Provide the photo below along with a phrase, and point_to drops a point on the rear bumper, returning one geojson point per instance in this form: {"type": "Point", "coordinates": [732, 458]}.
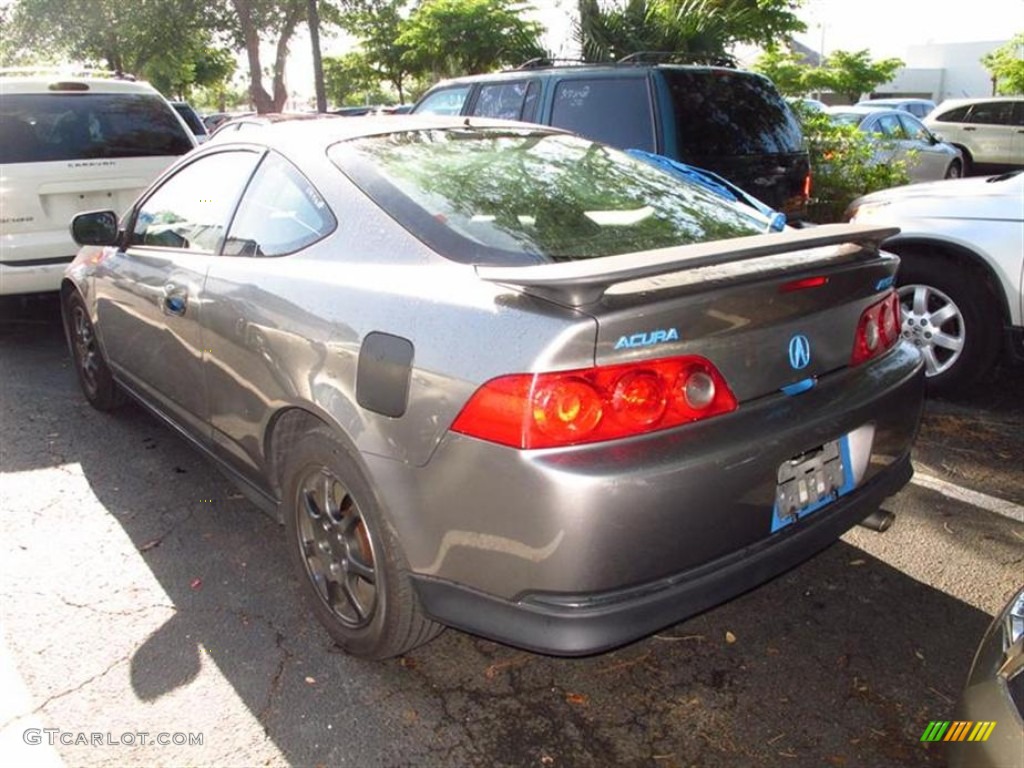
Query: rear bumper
{"type": "Point", "coordinates": [575, 550]}
{"type": "Point", "coordinates": [575, 625]}
{"type": "Point", "coordinates": [33, 277]}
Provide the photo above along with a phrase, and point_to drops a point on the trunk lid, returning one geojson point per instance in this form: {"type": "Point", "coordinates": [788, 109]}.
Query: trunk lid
{"type": "Point", "coordinates": [771, 312]}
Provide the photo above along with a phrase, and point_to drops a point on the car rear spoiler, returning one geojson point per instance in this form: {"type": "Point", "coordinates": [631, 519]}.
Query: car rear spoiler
{"type": "Point", "coordinates": [582, 282]}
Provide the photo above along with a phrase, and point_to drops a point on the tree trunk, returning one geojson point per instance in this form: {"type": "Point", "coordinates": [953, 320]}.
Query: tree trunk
{"type": "Point", "coordinates": [261, 100]}
{"type": "Point", "coordinates": [318, 66]}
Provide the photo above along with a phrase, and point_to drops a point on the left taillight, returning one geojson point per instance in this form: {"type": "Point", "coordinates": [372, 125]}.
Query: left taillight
{"type": "Point", "coordinates": [878, 329]}
{"type": "Point", "coordinates": [547, 410]}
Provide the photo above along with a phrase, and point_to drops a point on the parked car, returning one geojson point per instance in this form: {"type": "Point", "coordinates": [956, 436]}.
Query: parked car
{"type": "Point", "coordinates": [192, 120]}
{"type": "Point", "coordinates": [69, 143]}
{"type": "Point", "coordinates": [919, 108]}
{"type": "Point", "coordinates": [961, 281]}
{"type": "Point", "coordinates": [988, 726]}
{"type": "Point", "coordinates": [903, 138]}
{"type": "Point", "coordinates": [214, 119]}
{"type": "Point", "coordinates": [725, 120]}
{"type": "Point", "coordinates": [228, 129]}
{"type": "Point", "coordinates": [989, 132]}
{"type": "Point", "coordinates": [499, 377]}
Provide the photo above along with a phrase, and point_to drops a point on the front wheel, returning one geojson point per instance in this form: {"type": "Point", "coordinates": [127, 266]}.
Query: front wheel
{"type": "Point", "coordinates": [349, 561]}
{"type": "Point", "coordinates": [955, 170]}
{"type": "Point", "coordinates": [947, 313]}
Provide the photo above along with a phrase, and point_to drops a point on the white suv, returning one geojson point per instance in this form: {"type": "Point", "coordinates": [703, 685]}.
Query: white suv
{"type": "Point", "coordinates": [989, 132]}
{"type": "Point", "coordinates": [70, 144]}
{"type": "Point", "coordinates": [961, 278]}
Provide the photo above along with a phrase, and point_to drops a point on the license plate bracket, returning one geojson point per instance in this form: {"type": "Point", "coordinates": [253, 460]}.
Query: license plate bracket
{"type": "Point", "coordinates": [810, 481]}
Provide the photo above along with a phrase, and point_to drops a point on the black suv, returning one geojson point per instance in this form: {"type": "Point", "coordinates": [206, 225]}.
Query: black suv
{"type": "Point", "coordinates": [725, 120]}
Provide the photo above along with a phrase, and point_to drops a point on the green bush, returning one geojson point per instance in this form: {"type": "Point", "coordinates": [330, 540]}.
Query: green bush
{"type": "Point", "coordinates": [844, 165]}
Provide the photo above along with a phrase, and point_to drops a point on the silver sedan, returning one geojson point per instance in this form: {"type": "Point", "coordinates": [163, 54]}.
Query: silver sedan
{"type": "Point", "coordinates": [902, 137]}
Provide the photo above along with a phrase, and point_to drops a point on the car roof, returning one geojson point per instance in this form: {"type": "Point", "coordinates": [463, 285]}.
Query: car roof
{"type": "Point", "coordinates": [285, 135]}
{"type": "Point", "coordinates": [869, 102]}
{"type": "Point", "coordinates": [860, 109]}
{"type": "Point", "coordinates": [553, 70]}
{"type": "Point", "coordinates": [58, 82]}
{"type": "Point", "coordinates": [980, 100]}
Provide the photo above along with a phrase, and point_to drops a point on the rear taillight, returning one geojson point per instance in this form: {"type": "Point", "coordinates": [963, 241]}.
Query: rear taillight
{"type": "Point", "coordinates": [878, 329]}
{"type": "Point", "coordinates": [547, 410]}
{"type": "Point", "coordinates": [807, 186]}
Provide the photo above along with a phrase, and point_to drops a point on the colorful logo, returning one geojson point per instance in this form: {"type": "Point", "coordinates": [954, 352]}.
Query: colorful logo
{"type": "Point", "coordinates": [958, 730]}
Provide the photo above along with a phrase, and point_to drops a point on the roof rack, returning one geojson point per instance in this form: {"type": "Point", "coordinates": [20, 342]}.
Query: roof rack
{"type": "Point", "coordinates": [543, 61]}
{"type": "Point", "coordinates": [67, 72]}
{"type": "Point", "coordinates": [679, 57]}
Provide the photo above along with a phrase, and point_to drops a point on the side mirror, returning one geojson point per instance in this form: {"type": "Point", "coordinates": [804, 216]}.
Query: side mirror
{"type": "Point", "coordinates": [95, 228]}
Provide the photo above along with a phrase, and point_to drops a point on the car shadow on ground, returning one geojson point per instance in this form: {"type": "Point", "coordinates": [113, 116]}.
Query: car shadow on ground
{"type": "Point", "coordinates": [841, 662]}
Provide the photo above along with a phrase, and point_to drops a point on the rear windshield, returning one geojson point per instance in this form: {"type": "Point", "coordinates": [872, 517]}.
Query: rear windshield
{"type": "Point", "coordinates": [41, 127]}
{"type": "Point", "coordinates": [503, 196]}
{"type": "Point", "coordinates": [191, 118]}
{"type": "Point", "coordinates": [720, 113]}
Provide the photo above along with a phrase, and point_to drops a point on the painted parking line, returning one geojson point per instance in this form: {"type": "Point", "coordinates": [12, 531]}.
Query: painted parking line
{"type": "Point", "coordinates": [967, 496]}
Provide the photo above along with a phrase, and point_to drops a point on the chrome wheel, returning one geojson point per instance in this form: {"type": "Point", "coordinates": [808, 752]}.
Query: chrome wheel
{"type": "Point", "coordinates": [336, 548]}
{"type": "Point", "coordinates": [933, 322]}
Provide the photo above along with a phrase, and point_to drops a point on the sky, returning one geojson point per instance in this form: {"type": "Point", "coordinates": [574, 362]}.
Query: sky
{"type": "Point", "coordinates": [885, 27]}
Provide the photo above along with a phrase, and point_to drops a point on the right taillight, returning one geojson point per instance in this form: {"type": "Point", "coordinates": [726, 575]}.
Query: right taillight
{"type": "Point", "coordinates": [878, 329]}
{"type": "Point", "coordinates": [547, 410]}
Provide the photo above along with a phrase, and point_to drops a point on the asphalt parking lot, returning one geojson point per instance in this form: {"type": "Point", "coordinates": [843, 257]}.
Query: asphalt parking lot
{"type": "Point", "coordinates": [141, 594]}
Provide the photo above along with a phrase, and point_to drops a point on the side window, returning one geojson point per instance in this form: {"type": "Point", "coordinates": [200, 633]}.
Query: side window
{"type": "Point", "coordinates": [504, 100]}
{"type": "Point", "coordinates": [190, 210]}
{"type": "Point", "coordinates": [913, 129]}
{"type": "Point", "coordinates": [992, 113]}
{"type": "Point", "coordinates": [616, 111]}
{"type": "Point", "coordinates": [1018, 113]}
{"type": "Point", "coordinates": [955, 115]}
{"type": "Point", "coordinates": [889, 126]}
{"type": "Point", "coordinates": [447, 101]}
{"type": "Point", "coordinates": [280, 213]}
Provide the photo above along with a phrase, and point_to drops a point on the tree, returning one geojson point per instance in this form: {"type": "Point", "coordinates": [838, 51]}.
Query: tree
{"type": "Point", "coordinates": [1006, 64]}
{"type": "Point", "coordinates": [446, 38]}
{"type": "Point", "coordinates": [377, 25]}
{"type": "Point", "coordinates": [248, 20]}
{"type": "Point", "coordinates": [704, 28]}
{"type": "Point", "coordinates": [126, 37]}
{"type": "Point", "coordinates": [349, 78]}
{"type": "Point", "coordinates": [784, 68]}
{"type": "Point", "coordinates": [851, 74]}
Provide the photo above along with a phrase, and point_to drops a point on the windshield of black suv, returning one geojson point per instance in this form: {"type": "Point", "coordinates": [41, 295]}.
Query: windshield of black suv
{"type": "Point", "coordinates": [521, 196]}
{"type": "Point", "coordinates": [41, 127]}
{"type": "Point", "coordinates": [723, 113]}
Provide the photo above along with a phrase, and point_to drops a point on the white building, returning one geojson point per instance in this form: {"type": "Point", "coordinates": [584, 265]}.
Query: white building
{"type": "Point", "coordinates": [942, 71]}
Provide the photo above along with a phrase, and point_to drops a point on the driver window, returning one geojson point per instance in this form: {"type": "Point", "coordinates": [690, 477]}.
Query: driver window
{"type": "Point", "coordinates": [190, 210]}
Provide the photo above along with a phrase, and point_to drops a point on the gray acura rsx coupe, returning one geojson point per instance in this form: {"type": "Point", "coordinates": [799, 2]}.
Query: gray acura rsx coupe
{"type": "Point", "coordinates": [498, 377]}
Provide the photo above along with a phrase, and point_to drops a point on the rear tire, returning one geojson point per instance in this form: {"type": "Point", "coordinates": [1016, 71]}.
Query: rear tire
{"type": "Point", "coordinates": [348, 559]}
{"type": "Point", "coordinates": [94, 374]}
{"type": "Point", "coordinates": [949, 315]}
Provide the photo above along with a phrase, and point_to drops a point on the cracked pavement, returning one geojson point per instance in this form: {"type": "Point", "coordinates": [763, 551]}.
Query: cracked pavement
{"type": "Point", "coordinates": [142, 594]}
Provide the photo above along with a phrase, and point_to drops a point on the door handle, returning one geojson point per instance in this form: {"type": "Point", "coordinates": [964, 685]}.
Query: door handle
{"type": "Point", "coordinates": [970, 129]}
{"type": "Point", "coordinates": [175, 299]}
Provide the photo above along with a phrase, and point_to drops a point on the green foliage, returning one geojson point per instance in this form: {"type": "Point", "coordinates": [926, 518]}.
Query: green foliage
{"type": "Point", "coordinates": [350, 80]}
{"type": "Point", "coordinates": [124, 37]}
{"type": "Point", "coordinates": [844, 166]}
{"type": "Point", "coordinates": [784, 68]}
{"type": "Point", "coordinates": [377, 25]}
{"type": "Point", "coordinates": [851, 74]}
{"type": "Point", "coordinates": [705, 28]}
{"type": "Point", "coordinates": [1006, 64]}
{"type": "Point", "coordinates": [447, 38]}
